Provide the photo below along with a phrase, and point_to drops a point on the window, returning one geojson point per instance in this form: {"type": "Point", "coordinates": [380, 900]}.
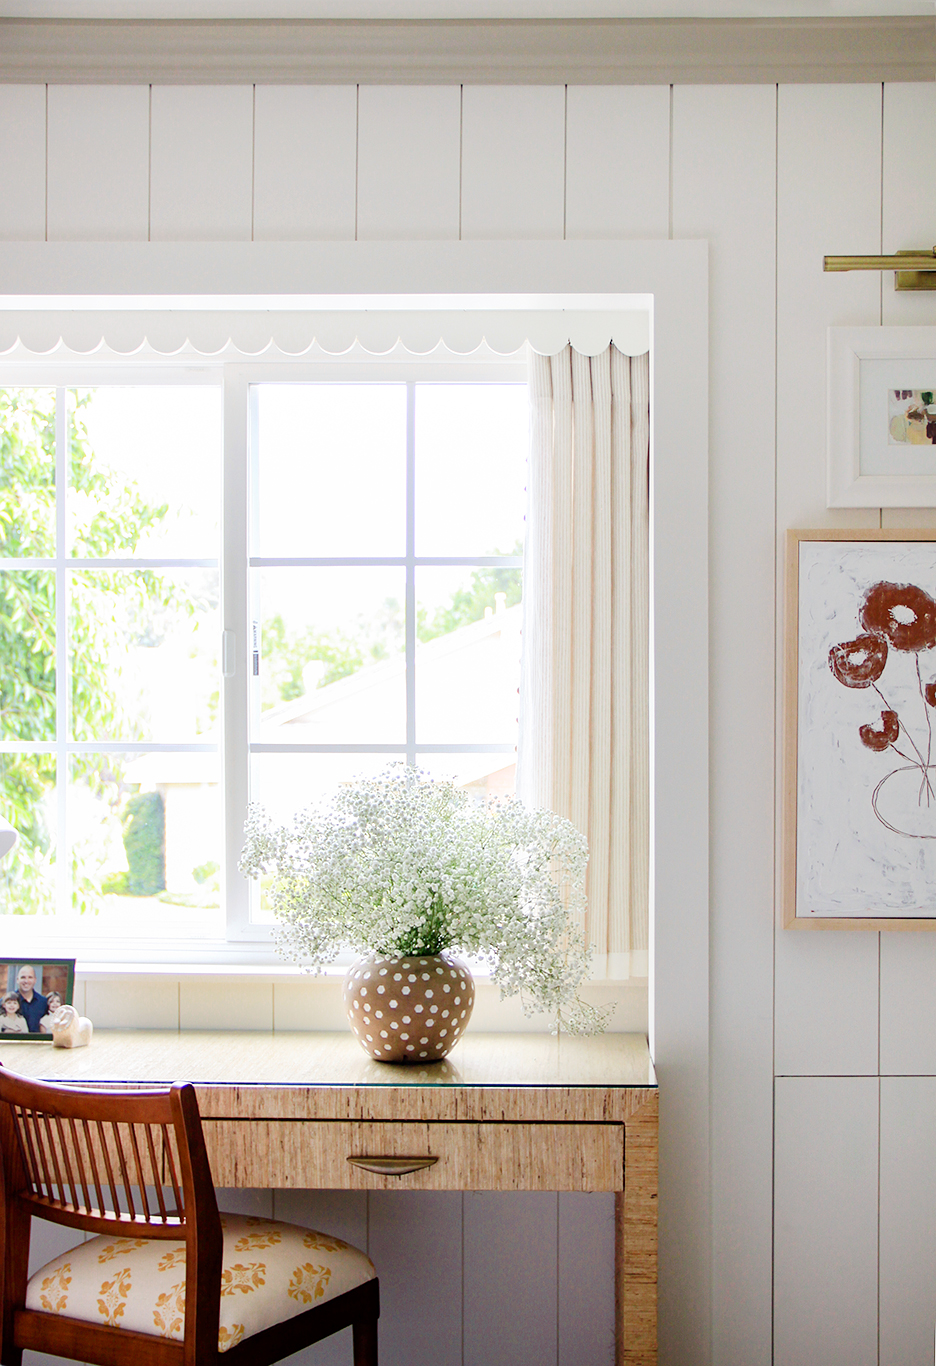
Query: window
{"type": "Point", "coordinates": [364, 606]}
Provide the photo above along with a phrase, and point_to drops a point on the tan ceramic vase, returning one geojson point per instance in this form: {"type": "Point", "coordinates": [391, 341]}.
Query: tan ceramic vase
{"type": "Point", "coordinates": [408, 1009]}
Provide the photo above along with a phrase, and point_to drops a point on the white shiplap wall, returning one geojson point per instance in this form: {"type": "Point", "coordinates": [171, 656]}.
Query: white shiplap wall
{"type": "Point", "coordinates": [823, 1046]}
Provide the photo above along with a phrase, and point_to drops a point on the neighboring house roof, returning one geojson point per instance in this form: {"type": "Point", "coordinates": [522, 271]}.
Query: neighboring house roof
{"type": "Point", "coordinates": [467, 685]}
{"type": "Point", "coordinates": [467, 682]}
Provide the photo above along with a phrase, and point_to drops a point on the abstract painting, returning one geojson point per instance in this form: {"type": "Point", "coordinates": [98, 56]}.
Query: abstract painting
{"type": "Point", "coordinates": [860, 841]}
{"type": "Point", "coordinates": [911, 417]}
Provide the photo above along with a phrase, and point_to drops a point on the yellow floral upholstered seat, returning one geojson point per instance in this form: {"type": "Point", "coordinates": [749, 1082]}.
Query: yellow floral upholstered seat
{"type": "Point", "coordinates": [270, 1272]}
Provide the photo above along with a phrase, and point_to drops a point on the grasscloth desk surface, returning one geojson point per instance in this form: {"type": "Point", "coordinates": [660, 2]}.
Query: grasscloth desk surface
{"type": "Point", "coordinates": [322, 1075]}
{"type": "Point", "coordinates": [249, 1058]}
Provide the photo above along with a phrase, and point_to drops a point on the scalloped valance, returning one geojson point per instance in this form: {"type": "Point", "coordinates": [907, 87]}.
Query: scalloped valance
{"type": "Point", "coordinates": [276, 335]}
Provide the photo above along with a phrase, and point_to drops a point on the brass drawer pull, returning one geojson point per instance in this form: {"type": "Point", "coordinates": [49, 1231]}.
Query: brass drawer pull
{"type": "Point", "coordinates": [392, 1166]}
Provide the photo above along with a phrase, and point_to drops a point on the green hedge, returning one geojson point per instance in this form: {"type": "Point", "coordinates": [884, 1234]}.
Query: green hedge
{"type": "Point", "coordinates": [144, 838]}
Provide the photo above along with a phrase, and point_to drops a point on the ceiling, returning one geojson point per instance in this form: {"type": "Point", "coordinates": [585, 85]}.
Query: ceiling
{"type": "Point", "coordinates": [456, 9]}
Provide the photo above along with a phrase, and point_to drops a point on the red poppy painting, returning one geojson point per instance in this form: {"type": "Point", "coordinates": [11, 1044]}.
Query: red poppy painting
{"type": "Point", "coordinates": [861, 708]}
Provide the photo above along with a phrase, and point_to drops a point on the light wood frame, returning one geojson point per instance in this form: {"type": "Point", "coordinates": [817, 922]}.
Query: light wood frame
{"type": "Point", "coordinates": [791, 736]}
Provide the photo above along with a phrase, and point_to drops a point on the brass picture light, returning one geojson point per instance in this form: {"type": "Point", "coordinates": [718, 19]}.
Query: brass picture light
{"type": "Point", "coordinates": [915, 269]}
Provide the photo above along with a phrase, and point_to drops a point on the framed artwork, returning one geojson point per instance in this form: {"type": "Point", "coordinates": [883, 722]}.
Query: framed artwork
{"type": "Point", "coordinates": [881, 425]}
{"type": "Point", "coordinates": [859, 846]}
{"type": "Point", "coordinates": [31, 990]}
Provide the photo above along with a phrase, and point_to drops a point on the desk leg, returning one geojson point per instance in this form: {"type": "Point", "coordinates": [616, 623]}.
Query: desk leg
{"type": "Point", "coordinates": [635, 1245]}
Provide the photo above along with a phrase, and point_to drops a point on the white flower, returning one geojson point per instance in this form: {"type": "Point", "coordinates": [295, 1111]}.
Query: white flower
{"type": "Point", "coordinates": [407, 864]}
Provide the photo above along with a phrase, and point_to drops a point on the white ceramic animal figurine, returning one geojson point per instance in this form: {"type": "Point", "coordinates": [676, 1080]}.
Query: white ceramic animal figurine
{"type": "Point", "coordinates": [69, 1029]}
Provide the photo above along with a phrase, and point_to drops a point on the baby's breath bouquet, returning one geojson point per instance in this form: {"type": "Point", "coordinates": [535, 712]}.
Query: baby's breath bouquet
{"type": "Point", "coordinates": [405, 864]}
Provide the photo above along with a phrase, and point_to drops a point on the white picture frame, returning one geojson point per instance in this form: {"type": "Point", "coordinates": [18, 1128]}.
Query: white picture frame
{"type": "Point", "coordinates": [868, 465]}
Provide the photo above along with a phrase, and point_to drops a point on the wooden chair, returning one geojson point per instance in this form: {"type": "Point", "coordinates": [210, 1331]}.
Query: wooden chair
{"type": "Point", "coordinates": [131, 1166]}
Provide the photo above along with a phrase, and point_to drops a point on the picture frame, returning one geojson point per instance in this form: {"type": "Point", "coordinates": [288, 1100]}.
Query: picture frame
{"type": "Point", "coordinates": [859, 749]}
{"type": "Point", "coordinates": [877, 455]}
{"type": "Point", "coordinates": [49, 975]}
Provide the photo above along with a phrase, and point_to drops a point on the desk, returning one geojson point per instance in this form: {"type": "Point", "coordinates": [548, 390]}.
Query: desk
{"type": "Point", "coordinates": [504, 1112]}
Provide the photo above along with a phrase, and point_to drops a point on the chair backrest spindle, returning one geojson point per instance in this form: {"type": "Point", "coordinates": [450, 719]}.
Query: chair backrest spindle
{"type": "Point", "coordinates": [94, 1159]}
{"type": "Point", "coordinates": [168, 1150]}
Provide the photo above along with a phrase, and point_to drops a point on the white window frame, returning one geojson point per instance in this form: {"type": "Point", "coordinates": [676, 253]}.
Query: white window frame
{"type": "Point", "coordinates": [241, 935]}
{"type": "Point", "coordinates": [241, 473]}
{"type": "Point", "coordinates": [83, 291]}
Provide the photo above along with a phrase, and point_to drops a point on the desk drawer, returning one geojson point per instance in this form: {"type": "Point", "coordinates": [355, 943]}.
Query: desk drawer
{"type": "Point", "coordinates": [313, 1154]}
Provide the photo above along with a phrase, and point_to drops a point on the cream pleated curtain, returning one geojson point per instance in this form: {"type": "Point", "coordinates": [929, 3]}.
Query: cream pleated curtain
{"type": "Point", "coordinates": [584, 719]}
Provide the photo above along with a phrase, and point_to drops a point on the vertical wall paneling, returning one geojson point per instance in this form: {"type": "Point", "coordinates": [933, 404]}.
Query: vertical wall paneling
{"type": "Point", "coordinates": [586, 1279]}
{"type": "Point", "coordinates": [825, 1304]}
{"type": "Point", "coordinates": [724, 140]}
{"type": "Point", "coordinates": [828, 193]}
{"type": "Point", "coordinates": [202, 140]}
{"type": "Point", "coordinates": [510, 1274]}
{"type": "Point", "coordinates": [408, 162]}
{"type": "Point", "coordinates": [415, 1240]}
{"type": "Point", "coordinates": [908, 1004]}
{"type": "Point", "coordinates": [98, 163]}
{"type": "Point", "coordinates": [512, 161]}
{"type": "Point", "coordinates": [907, 1021]}
{"type": "Point", "coordinates": [909, 207]}
{"type": "Point", "coordinates": [23, 134]}
{"type": "Point", "coordinates": [908, 215]}
{"type": "Point", "coordinates": [617, 161]}
{"type": "Point", "coordinates": [304, 162]}
{"type": "Point", "coordinates": [908, 1218]}
{"type": "Point", "coordinates": [826, 1003]}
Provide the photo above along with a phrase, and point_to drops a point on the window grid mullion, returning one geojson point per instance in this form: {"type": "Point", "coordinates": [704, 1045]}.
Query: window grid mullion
{"type": "Point", "coordinates": [238, 429]}
{"type": "Point", "coordinates": [410, 572]}
{"type": "Point", "coordinates": [62, 663]}
{"type": "Point", "coordinates": [385, 561]}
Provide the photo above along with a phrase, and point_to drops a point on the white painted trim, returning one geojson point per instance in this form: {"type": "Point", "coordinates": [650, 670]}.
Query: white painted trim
{"type": "Point", "coordinates": [263, 335]}
{"type": "Point", "coordinates": [675, 274]}
{"type": "Point", "coordinates": [482, 50]}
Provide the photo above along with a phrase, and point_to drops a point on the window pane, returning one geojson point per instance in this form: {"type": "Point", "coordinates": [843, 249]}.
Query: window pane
{"type": "Point", "coordinates": [144, 651]}
{"type": "Point", "coordinates": [144, 471]}
{"type": "Point", "coordinates": [332, 669]}
{"type": "Point", "coordinates": [483, 776]}
{"type": "Point", "coordinates": [286, 784]}
{"type": "Point", "coordinates": [27, 472]}
{"type": "Point", "coordinates": [471, 452]}
{"type": "Point", "coordinates": [468, 656]}
{"type": "Point", "coordinates": [145, 842]}
{"type": "Point", "coordinates": [28, 802]}
{"type": "Point", "coordinates": [27, 651]}
{"type": "Point", "coordinates": [332, 469]}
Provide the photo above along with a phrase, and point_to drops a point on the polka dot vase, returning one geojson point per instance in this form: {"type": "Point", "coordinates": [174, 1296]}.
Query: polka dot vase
{"type": "Point", "coordinates": [408, 1009]}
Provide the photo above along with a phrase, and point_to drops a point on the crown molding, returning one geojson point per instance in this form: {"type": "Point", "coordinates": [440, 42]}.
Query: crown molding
{"type": "Point", "coordinates": [478, 51]}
